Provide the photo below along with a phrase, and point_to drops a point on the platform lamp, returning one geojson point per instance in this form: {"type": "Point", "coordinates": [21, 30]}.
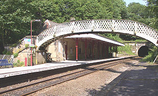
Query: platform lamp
{"type": "Point", "coordinates": [31, 37]}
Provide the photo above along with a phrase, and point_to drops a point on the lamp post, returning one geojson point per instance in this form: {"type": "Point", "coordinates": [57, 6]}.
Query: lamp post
{"type": "Point", "coordinates": [31, 38]}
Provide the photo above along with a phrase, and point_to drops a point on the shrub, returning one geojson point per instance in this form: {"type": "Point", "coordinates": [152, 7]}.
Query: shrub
{"type": "Point", "coordinates": [151, 55]}
{"type": "Point", "coordinates": [5, 51]}
{"type": "Point", "coordinates": [19, 64]}
{"type": "Point", "coordinates": [125, 50]}
{"type": "Point", "coordinates": [15, 55]}
{"type": "Point", "coordinates": [14, 45]}
{"type": "Point", "coordinates": [8, 53]}
{"type": "Point", "coordinates": [26, 45]}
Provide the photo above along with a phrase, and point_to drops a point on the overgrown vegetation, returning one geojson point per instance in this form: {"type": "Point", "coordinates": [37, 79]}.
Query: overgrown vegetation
{"type": "Point", "coordinates": [18, 64]}
{"type": "Point", "coordinates": [125, 50]}
{"type": "Point", "coordinates": [26, 45]}
{"type": "Point", "coordinates": [6, 52]}
{"type": "Point", "coordinates": [151, 55]}
{"type": "Point", "coordinates": [16, 55]}
{"type": "Point", "coordinates": [112, 36]}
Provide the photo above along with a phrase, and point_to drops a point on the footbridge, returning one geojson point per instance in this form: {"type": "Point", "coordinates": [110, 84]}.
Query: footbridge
{"type": "Point", "coordinates": [97, 26]}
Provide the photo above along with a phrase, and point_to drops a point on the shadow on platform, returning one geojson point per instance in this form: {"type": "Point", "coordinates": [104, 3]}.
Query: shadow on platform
{"type": "Point", "coordinates": [139, 80]}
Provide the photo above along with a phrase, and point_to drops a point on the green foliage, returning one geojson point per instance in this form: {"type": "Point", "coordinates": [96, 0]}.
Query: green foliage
{"type": "Point", "coordinates": [140, 13]}
{"type": "Point", "coordinates": [17, 14]}
{"type": "Point", "coordinates": [15, 20]}
{"type": "Point", "coordinates": [26, 45]}
{"type": "Point", "coordinates": [119, 9]}
{"type": "Point", "coordinates": [113, 36]}
{"type": "Point", "coordinates": [14, 45]}
{"type": "Point", "coordinates": [152, 6]}
{"type": "Point", "coordinates": [16, 55]}
{"type": "Point", "coordinates": [125, 50]}
{"type": "Point", "coordinates": [121, 49]}
{"type": "Point", "coordinates": [18, 64]}
{"type": "Point", "coordinates": [151, 55]}
{"type": "Point", "coordinates": [6, 52]}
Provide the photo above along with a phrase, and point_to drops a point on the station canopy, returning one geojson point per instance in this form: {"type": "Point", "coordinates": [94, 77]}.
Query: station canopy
{"type": "Point", "coordinates": [96, 37]}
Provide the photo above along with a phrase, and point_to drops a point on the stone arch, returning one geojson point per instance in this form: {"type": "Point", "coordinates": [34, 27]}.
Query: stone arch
{"type": "Point", "coordinates": [143, 51]}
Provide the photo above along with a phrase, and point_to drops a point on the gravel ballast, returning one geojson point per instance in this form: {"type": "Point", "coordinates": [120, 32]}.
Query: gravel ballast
{"type": "Point", "coordinates": [87, 85]}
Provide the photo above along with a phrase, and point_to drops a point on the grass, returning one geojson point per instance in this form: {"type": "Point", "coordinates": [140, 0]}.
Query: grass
{"type": "Point", "coordinates": [151, 55]}
{"type": "Point", "coordinates": [125, 50]}
{"type": "Point", "coordinates": [138, 40]}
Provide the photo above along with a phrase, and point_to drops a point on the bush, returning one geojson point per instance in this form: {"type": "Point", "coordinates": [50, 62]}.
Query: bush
{"type": "Point", "coordinates": [26, 45]}
{"type": "Point", "coordinates": [19, 64]}
{"type": "Point", "coordinates": [5, 51]}
{"type": "Point", "coordinates": [125, 50]}
{"type": "Point", "coordinates": [14, 45]}
{"type": "Point", "coordinates": [151, 55]}
{"type": "Point", "coordinates": [8, 53]}
{"type": "Point", "coordinates": [15, 55]}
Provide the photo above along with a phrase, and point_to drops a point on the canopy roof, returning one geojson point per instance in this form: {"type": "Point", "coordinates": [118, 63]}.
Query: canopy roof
{"type": "Point", "coordinates": [97, 37]}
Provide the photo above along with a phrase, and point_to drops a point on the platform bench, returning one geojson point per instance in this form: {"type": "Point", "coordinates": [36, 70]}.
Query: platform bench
{"type": "Point", "coordinates": [4, 62]}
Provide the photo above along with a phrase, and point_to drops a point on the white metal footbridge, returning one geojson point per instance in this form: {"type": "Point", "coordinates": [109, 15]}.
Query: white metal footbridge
{"type": "Point", "coordinates": [97, 26]}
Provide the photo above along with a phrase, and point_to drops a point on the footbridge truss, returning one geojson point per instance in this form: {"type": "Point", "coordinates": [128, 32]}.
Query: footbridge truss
{"type": "Point", "coordinates": [97, 26]}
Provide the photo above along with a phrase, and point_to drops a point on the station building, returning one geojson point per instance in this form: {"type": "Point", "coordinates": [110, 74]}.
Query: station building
{"type": "Point", "coordinates": [74, 47]}
{"type": "Point", "coordinates": [82, 47]}
{"type": "Point", "coordinates": [77, 47]}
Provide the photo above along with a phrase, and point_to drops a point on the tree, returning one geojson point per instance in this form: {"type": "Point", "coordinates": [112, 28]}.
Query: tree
{"type": "Point", "coordinates": [140, 13]}
{"type": "Point", "coordinates": [15, 20]}
{"type": "Point", "coordinates": [17, 14]}
{"type": "Point", "coordinates": [152, 6]}
{"type": "Point", "coordinates": [119, 9]}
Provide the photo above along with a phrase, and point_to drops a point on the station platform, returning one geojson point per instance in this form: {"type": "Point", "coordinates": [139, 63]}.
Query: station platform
{"type": "Point", "coordinates": [8, 72]}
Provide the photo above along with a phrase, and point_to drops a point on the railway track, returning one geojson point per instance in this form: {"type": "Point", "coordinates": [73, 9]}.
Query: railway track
{"type": "Point", "coordinates": [45, 83]}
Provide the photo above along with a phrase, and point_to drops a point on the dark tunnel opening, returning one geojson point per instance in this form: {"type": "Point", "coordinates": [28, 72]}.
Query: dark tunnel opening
{"type": "Point", "coordinates": [143, 51]}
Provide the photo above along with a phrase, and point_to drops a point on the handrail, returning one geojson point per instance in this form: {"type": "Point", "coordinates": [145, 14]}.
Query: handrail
{"type": "Point", "coordinates": [107, 25]}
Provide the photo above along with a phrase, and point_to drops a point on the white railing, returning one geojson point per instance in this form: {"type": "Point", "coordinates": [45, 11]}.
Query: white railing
{"type": "Point", "coordinates": [120, 26]}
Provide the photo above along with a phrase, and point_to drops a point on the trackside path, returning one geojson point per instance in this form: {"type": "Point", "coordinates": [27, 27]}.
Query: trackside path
{"type": "Point", "coordinates": [139, 80]}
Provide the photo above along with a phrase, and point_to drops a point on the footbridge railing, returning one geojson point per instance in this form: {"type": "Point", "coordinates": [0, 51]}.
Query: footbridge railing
{"type": "Point", "coordinates": [99, 26]}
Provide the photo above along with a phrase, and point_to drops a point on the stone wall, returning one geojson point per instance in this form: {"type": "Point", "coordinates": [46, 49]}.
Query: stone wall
{"type": "Point", "coordinates": [135, 46]}
{"type": "Point", "coordinates": [40, 57]}
{"type": "Point", "coordinates": [56, 51]}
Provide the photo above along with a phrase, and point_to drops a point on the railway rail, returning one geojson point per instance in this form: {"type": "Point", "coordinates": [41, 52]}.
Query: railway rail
{"type": "Point", "coordinates": [48, 82]}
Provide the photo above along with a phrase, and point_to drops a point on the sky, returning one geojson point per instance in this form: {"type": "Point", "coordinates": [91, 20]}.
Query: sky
{"type": "Point", "coordinates": [137, 1]}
